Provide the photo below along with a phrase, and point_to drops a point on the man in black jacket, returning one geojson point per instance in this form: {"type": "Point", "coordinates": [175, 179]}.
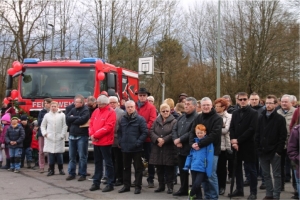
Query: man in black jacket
{"type": "Point", "coordinates": [242, 131]}
{"type": "Point", "coordinates": [270, 140]}
{"type": "Point", "coordinates": [78, 138]}
{"type": "Point", "coordinates": [213, 123]}
{"type": "Point", "coordinates": [180, 135]}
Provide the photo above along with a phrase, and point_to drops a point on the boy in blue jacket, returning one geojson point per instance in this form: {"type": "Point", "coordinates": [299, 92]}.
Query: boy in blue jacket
{"type": "Point", "coordinates": [200, 162]}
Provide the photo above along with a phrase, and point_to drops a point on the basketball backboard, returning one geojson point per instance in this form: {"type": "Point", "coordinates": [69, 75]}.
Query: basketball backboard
{"type": "Point", "coordinates": [146, 65]}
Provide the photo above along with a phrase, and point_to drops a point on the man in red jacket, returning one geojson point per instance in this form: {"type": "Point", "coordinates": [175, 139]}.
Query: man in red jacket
{"type": "Point", "coordinates": [101, 131]}
{"type": "Point", "coordinates": [148, 112]}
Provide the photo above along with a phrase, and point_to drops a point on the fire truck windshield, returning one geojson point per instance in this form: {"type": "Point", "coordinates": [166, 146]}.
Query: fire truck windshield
{"type": "Point", "coordinates": [57, 82]}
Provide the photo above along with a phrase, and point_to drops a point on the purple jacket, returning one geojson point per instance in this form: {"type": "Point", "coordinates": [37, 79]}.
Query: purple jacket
{"type": "Point", "coordinates": [293, 147]}
{"type": "Point", "coordinates": [2, 136]}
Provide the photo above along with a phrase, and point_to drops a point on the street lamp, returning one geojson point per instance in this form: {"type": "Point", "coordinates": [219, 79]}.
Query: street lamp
{"type": "Point", "coordinates": [52, 40]}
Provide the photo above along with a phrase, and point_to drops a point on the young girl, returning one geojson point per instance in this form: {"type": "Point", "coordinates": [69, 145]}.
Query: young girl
{"type": "Point", "coordinates": [200, 162]}
{"type": "Point", "coordinates": [35, 145]}
{"type": "Point", "coordinates": [5, 121]}
{"type": "Point", "coordinates": [1, 146]}
{"type": "Point", "coordinates": [14, 139]}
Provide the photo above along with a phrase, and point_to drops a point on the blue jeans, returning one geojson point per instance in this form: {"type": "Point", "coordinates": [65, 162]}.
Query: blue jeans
{"type": "Point", "coordinates": [79, 146]}
{"type": "Point", "coordinates": [210, 185]}
{"type": "Point", "coordinates": [275, 162]}
{"type": "Point", "coordinates": [103, 153]}
{"type": "Point", "coordinates": [58, 156]}
{"type": "Point", "coordinates": [298, 182]}
{"type": "Point", "coordinates": [15, 158]}
{"type": "Point", "coordinates": [27, 152]}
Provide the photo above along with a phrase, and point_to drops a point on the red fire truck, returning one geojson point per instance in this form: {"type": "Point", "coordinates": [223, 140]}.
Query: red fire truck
{"type": "Point", "coordinates": [62, 79]}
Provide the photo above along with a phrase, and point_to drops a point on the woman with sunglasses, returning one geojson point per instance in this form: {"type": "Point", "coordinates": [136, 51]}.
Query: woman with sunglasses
{"type": "Point", "coordinates": [163, 153]}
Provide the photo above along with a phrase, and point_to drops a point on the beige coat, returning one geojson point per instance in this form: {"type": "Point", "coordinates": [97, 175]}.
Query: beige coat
{"type": "Point", "coordinates": [54, 125]}
{"type": "Point", "coordinates": [288, 118]}
{"type": "Point", "coordinates": [225, 137]}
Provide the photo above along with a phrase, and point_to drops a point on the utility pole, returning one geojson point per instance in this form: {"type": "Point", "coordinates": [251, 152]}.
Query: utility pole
{"type": "Point", "coordinates": [52, 40]}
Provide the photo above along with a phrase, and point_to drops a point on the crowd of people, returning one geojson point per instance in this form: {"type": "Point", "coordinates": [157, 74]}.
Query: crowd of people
{"type": "Point", "coordinates": [211, 140]}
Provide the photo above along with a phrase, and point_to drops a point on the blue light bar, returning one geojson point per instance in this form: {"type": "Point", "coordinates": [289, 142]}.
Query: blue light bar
{"type": "Point", "coordinates": [31, 60]}
{"type": "Point", "coordinates": [91, 60]}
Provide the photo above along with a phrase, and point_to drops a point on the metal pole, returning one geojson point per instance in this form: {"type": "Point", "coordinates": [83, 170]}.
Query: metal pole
{"type": "Point", "coordinates": [218, 54]}
{"type": "Point", "coordinates": [163, 88]}
{"type": "Point", "coordinates": [52, 40]}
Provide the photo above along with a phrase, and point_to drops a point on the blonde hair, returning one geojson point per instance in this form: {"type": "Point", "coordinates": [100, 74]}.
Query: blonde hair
{"type": "Point", "coordinates": [179, 108]}
{"type": "Point", "coordinates": [54, 102]}
{"type": "Point", "coordinates": [170, 102]}
{"type": "Point", "coordinates": [164, 106]}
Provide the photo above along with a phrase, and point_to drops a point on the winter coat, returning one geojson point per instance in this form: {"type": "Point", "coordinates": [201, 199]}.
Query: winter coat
{"type": "Point", "coordinates": [54, 125]}
{"type": "Point", "coordinates": [230, 109]}
{"type": "Point", "coordinates": [225, 137]}
{"type": "Point", "coordinates": [3, 134]}
{"type": "Point", "coordinates": [148, 111]}
{"type": "Point", "coordinates": [271, 134]}
{"type": "Point", "coordinates": [132, 133]}
{"type": "Point", "coordinates": [77, 117]}
{"type": "Point", "coordinates": [41, 115]}
{"type": "Point", "coordinates": [119, 113]}
{"type": "Point", "coordinates": [166, 154]}
{"type": "Point", "coordinates": [288, 118]}
{"type": "Point", "coordinates": [295, 119]}
{"type": "Point", "coordinates": [28, 136]}
{"type": "Point", "coordinates": [259, 108]}
{"type": "Point", "coordinates": [201, 160]}
{"type": "Point", "coordinates": [102, 126]}
{"type": "Point", "coordinates": [293, 148]}
{"type": "Point", "coordinates": [243, 127]}
{"type": "Point", "coordinates": [182, 130]}
{"type": "Point", "coordinates": [34, 141]}
{"type": "Point", "coordinates": [16, 134]}
{"type": "Point", "coordinates": [213, 123]}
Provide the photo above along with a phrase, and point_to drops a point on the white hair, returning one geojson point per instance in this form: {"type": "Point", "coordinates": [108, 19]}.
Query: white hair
{"type": "Point", "coordinates": [129, 102]}
{"type": "Point", "coordinates": [294, 98]}
{"type": "Point", "coordinates": [206, 99]}
{"type": "Point", "coordinates": [288, 96]}
{"type": "Point", "coordinates": [103, 99]}
{"type": "Point", "coordinates": [150, 98]}
{"type": "Point", "coordinates": [113, 98]}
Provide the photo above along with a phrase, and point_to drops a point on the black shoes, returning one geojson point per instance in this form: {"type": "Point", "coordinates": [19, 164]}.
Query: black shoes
{"type": "Point", "coordinates": [108, 188]}
{"type": "Point", "coordinates": [118, 183]}
{"type": "Point", "coordinates": [94, 187]}
{"type": "Point", "coordinates": [246, 183]}
{"type": "Point", "coordinates": [170, 191]}
{"type": "Point", "coordinates": [159, 189]}
{"type": "Point", "coordinates": [61, 172]}
{"type": "Point", "coordinates": [50, 173]}
{"type": "Point", "coordinates": [124, 189]}
{"type": "Point", "coordinates": [180, 193]}
{"type": "Point", "coordinates": [262, 186]}
{"type": "Point", "coordinates": [221, 191]}
{"type": "Point", "coordinates": [137, 191]}
{"type": "Point", "coordinates": [82, 178]}
{"type": "Point", "coordinates": [70, 177]}
{"type": "Point", "coordinates": [252, 197]}
{"type": "Point", "coordinates": [236, 193]}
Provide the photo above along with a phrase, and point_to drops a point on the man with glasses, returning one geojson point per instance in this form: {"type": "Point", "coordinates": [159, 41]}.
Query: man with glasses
{"type": "Point", "coordinates": [148, 111]}
{"type": "Point", "coordinates": [116, 150]}
{"type": "Point", "coordinates": [78, 138]}
{"type": "Point", "coordinates": [242, 130]}
{"type": "Point", "coordinates": [213, 123]}
{"type": "Point", "coordinates": [180, 135]}
{"type": "Point", "coordinates": [270, 140]}
{"type": "Point", "coordinates": [101, 131]}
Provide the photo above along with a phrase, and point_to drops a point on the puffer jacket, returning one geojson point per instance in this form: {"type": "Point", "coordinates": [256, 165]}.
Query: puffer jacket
{"type": "Point", "coordinates": [132, 133]}
{"type": "Point", "coordinates": [17, 134]}
{"type": "Point", "coordinates": [166, 154]}
{"type": "Point", "coordinates": [182, 130]}
{"type": "Point", "coordinates": [148, 111]}
{"type": "Point", "coordinates": [102, 126]}
{"type": "Point", "coordinates": [225, 137]}
{"type": "Point", "coordinates": [77, 117]}
{"type": "Point", "coordinates": [54, 125]}
{"type": "Point", "coordinates": [202, 159]}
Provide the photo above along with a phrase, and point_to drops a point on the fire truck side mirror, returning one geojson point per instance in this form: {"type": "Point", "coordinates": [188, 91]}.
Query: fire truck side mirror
{"type": "Point", "coordinates": [111, 92]}
{"type": "Point", "coordinates": [9, 82]}
{"type": "Point", "coordinates": [111, 82]}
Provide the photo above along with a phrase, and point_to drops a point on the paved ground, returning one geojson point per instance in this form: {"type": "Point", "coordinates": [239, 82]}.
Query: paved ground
{"type": "Point", "coordinates": [30, 184]}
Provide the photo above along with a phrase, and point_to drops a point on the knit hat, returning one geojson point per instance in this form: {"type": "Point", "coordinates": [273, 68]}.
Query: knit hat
{"type": "Point", "coordinates": [6, 117]}
{"type": "Point", "coordinates": [24, 117]}
{"type": "Point", "coordinates": [14, 117]}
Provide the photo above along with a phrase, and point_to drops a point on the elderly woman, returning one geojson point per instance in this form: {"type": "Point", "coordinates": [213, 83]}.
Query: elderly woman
{"type": "Point", "coordinates": [54, 129]}
{"type": "Point", "coordinates": [163, 153]}
{"type": "Point", "coordinates": [221, 105]}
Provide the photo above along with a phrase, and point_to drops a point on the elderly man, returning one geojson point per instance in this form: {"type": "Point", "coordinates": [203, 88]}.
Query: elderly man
{"type": "Point", "coordinates": [270, 139]}
{"type": "Point", "coordinates": [132, 133]}
{"type": "Point", "coordinates": [148, 112]}
{"type": "Point", "coordinates": [116, 150]}
{"type": "Point", "coordinates": [101, 130]}
{"type": "Point", "coordinates": [287, 110]}
{"type": "Point", "coordinates": [242, 131]}
{"type": "Point", "coordinates": [180, 135]}
{"type": "Point", "coordinates": [78, 138]}
{"type": "Point", "coordinates": [213, 123]}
